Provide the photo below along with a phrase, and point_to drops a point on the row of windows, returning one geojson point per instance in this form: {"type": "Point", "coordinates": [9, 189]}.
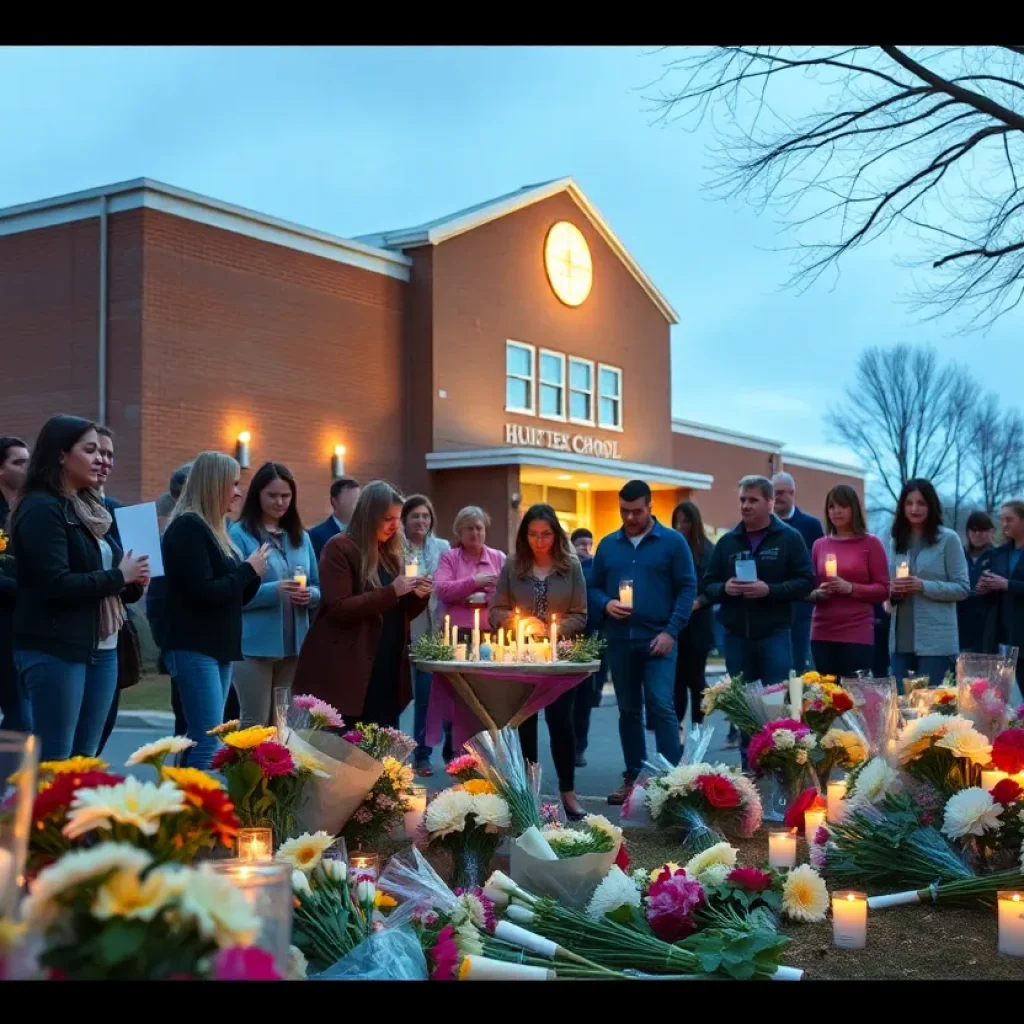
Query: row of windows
{"type": "Point", "coordinates": [541, 388]}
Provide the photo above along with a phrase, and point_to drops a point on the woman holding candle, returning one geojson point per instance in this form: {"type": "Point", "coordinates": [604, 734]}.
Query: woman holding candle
{"type": "Point", "coordinates": [929, 575]}
{"type": "Point", "coordinates": [355, 656]}
{"type": "Point", "coordinates": [276, 620]}
{"type": "Point", "coordinates": [422, 547]}
{"type": "Point", "coordinates": [851, 575]}
{"type": "Point", "coordinates": [207, 586]}
{"type": "Point", "coordinates": [544, 579]}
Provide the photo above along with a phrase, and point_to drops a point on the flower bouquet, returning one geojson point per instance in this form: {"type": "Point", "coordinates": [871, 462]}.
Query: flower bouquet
{"type": "Point", "coordinates": [469, 821]}
{"type": "Point", "coordinates": [748, 706]}
{"type": "Point", "coordinates": [111, 913]}
{"type": "Point", "coordinates": [945, 752]}
{"type": "Point", "coordinates": [824, 700]}
{"type": "Point", "coordinates": [780, 752]}
{"type": "Point", "coordinates": [385, 804]}
{"type": "Point", "coordinates": [842, 749]}
{"type": "Point", "coordinates": [265, 779]}
{"type": "Point", "coordinates": [500, 761]}
{"type": "Point", "coordinates": [984, 683]}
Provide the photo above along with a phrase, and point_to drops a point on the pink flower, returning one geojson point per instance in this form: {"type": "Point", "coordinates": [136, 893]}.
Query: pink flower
{"type": "Point", "coordinates": [239, 964]}
{"type": "Point", "coordinates": [444, 955]}
{"type": "Point", "coordinates": [353, 736]}
{"type": "Point", "coordinates": [273, 759]}
{"type": "Point", "coordinates": [364, 816]}
{"type": "Point", "coordinates": [465, 764]}
{"type": "Point", "coordinates": [224, 756]}
{"type": "Point", "coordinates": [550, 814]}
{"type": "Point", "coordinates": [978, 687]}
{"type": "Point", "coordinates": [305, 700]}
{"type": "Point", "coordinates": [820, 836]}
{"type": "Point", "coordinates": [751, 879]}
{"type": "Point", "coordinates": [670, 905]}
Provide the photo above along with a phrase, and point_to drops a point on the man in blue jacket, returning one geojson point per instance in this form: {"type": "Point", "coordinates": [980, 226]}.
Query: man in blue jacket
{"type": "Point", "coordinates": [642, 630]}
{"type": "Point", "coordinates": [810, 529]}
{"type": "Point", "coordinates": [344, 495]}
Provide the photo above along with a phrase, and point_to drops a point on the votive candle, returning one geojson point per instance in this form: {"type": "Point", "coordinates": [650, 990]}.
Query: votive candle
{"type": "Point", "coordinates": [626, 593]}
{"type": "Point", "coordinates": [299, 576]}
{"type": "Point", "coordinates": [990, 778]}
{"type": "Point", "coordinates": [417, 801]}
{"type": "Point", "coordinates": [849, 919]}
{"type": "Point", "coordinates": [903, 570]}
{"type": "Point", "coordinates": [255, 844]}
{"type": "Point", "coordinates": [836, 794]}
{"type": "Point", "coordinates": [831, 566]}
{"type": "Point", "coordinates": [412, 568]}
{"type": "Point", "coordinates": [363, 864]}
{"type": "Point", "coordinates": [813, 820]}
{"type": "Point", "coordinates": [782, 848]}
{"type": "Point", "coordinates": [1011, 922]}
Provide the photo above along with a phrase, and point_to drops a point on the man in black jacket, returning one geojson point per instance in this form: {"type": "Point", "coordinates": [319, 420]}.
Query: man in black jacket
{"type": "Point", "coordinates": [344, 495]}
{"type": "Point", "coordinates": [810, 529]}
{"type": "Point", "coordinates": [757, 615]}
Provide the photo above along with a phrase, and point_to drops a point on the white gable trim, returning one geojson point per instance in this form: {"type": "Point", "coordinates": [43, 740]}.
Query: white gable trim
{"type": "Point", "coordinates": [154, 195]}
{"type": "Point", "coordinates": [824, 465]}
{"type": "Point", "coordinates": [723, 436]}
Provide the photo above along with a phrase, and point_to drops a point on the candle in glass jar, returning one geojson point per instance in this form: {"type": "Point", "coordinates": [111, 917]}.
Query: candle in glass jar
{"type": "Point", "coordinates": [365, 864]}
{"type": "Point", "coordinates": [1011, 922]}
{"type": "Point", "coordinates": [990, 778]}
{"type": "Point", "coordinates": [836, 795]}
{"type": "Point", "coordinates": [903, 570]}
{"type": "Point", "coordinates": [813, 820]}
{"type": "Point", "coordinates": [849, 919]}
{"type": "Point", "coordinates": [626, 593]}
{"type": "Point", "coordinates": [255, 844]}
{"type": "Point", "coordinates": [782, 848]}
{"type": "Point", "coordinates": [299, 576]}
{"type": "Point", "coordinates": [417, 801]}
{"type": "Point", "coordinates": [412, 568]}
{"type": "Point", "coordinates": [831, 566]}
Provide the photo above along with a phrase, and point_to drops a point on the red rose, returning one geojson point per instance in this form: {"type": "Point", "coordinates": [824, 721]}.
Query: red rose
{"type": "Point", "coordinates": [719, 791]}
{"type": "Point", "coordinates": [1008, 751]}
{"type": "Point", "coordinates": [842, 702]}
{"type": "Point", "coordinates": [622, 857]}
{"type": "Point", "coordinates": [751, 879]}
{"type": "Point", "coordinates": [804, 802]}
{"type": "Point", "coordinates": [1006, 792]}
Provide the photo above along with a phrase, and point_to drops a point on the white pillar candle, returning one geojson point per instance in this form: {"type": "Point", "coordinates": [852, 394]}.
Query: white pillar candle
{"type": "Point", "coordinates": [554, 637]}
{"type": "Point", "coordinates": [990, 778]}
{"type": "Point", "coordinates": [417, 801]}
{"type": "Point", "coordinates": [849, 920]}
{"type": "Point", "coordinates": [831, 566]}
{"type": "Point", "coordinates": [796, 696]}
{"type": "Point", "coordinates": [447, 628]}
{"type": "Point", "coordinates": [813, 820]}
{"type": "Point", "coordinates": [1011, 922]}
{"type": "Point", "coordinates": [460, 652]}
{"type": "Point", "coordinates": [476, 634]}
{"type": "Point", "coordinates": [626, 593]}
{"type": "Point", "coordinates": [781, 849]}
{"type": "Point", "coordinates": [836, 796]}
{"type": "Point", "coordinates": [501, 641]}
{"type": "Point", "coordinates": [520, 634]}
{"type": "Point", "coordinates": [412, 568]}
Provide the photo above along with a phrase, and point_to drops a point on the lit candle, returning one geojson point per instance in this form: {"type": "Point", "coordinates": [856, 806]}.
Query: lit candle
{"type": "Point", "coordinates": [1011, 922]}
{"type": "Point", "coordinates": [299, 576]}
{"type": "Point", "coordinates": [460, 652]}
{"type": "Point", "coordinates": [796, 696]}
{"type": "Point", "coordinates": [417, 801]}
{"type": "Point", "coordinates": [626, 593]}
{"type": "Point", "coordinates": [831, 566]}
{"type": "Point", "coordinates": [813, 820]}
{"type": "Point", "coordinates": [903, 570]}
{"type": "Point", "coordinates": [990, 778]}
{"type": "Point", "coordinates": [447, 629]}
{"type": "Point", "coordinates": [782, 848]}
{"type": "Point", "coordinates": [554, 637]}
{"type": "Point", "coordinates": [476, 634]}
{"type": "Point", "coordinates": [849, 919]}
{"type": "Point", "coordinates": [520, 634]}
{"type": "Point", "coordinates": [455, 636]}
{"type": "Point", "coordinates": [363, 864]}
{"type": "Point", "coordinates": [412, 568]}
{"type": "Point", "coordinates": [501, 641]}
{"type": "Point", "coordinates": [255, 844]}
{"type": "Point", "coordinates": [836, 795]}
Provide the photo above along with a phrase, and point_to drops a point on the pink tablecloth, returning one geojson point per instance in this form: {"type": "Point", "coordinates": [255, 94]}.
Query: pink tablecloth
{"type": "Point", "coordinates": [447, 706]}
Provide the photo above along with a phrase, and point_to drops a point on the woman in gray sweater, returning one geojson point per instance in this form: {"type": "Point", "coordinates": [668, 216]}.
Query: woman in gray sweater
{"type": "Point", "coordinates": [929, 575]}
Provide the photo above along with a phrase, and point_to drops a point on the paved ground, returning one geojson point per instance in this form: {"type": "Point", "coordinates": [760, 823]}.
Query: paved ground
{"type": "Point", "coordinates": [593, 783]}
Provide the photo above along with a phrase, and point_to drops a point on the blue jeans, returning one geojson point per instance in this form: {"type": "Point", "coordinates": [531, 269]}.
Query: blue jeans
{"type": "Point", "coordinates": [203, 687]}
{"type": "Point", "coordinates": [934, 666]}
{"type": "Point", "coordinates": [66, 701]}
{"type": "Point", "coordinates": [800, 633]}
{"type": "Point", "coordinates": [641, 678]}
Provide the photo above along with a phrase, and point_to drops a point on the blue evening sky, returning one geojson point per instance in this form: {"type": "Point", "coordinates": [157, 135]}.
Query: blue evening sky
{"type": "Point", "coordinates": [355, 140]}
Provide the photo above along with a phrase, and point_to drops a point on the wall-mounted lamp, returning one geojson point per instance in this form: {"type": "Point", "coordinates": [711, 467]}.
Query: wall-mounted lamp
{"type": "Point", "coordinates": [242, 449]}
{"type": "Point", "coordinates": [338, 461]}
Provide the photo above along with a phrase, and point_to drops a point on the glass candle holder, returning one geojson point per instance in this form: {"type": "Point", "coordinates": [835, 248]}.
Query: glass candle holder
{"type": "Point", "coordinates": [813, 820]}
{"type": "Point", "coordinates": [849, 919]}
{"type": "Point", "coordinates": [363, 863]}
{"type": "Point", "coordinates": [255, 845]}
{"type": "Point", "coordinates": [782, 848]}
{"type": "Point", "coordinates": [626, 593]}
{"type": "Point", "coordinates": [417, 809]}
{"type": "Point", "coordinates": [267, 886]}
{"type": "Point", "coordinates": [282, 699]}
{"type": "Point", "coordinates": [835, 795]}
{"type": "Point", "coordinates": [19, 763]}
{"type": "Point", "coordinates": [1011, 922]}
{"type": "Point", "coordinates": [299, 576]}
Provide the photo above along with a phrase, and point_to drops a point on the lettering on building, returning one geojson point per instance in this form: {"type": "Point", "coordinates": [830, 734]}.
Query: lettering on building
{"type": "Point", "coordinates": [577, 444]}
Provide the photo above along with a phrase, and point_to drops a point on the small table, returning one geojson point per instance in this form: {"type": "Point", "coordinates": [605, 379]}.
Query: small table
{"type": "Point", "coordinates": [492, 694]}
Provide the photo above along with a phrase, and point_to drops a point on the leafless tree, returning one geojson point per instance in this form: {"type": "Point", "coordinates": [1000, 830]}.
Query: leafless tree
{"type": "Point", "coordinates": [996, 454]}
{"type": "Point", "coordinates": [866, 138]}
{"type": "Point", "coordinates": [902, 416]}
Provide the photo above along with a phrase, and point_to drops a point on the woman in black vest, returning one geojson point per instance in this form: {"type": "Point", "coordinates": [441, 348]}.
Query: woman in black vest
{"type": "Point", "coordinates": [73, 582]}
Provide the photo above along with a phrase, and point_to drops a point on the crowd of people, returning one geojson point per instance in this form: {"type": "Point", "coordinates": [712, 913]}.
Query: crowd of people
{"type": "Point", "coordinates": [250, 601]}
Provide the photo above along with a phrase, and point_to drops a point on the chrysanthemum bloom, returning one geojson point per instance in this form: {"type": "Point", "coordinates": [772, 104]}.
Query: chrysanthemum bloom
{"type": "Point", "coordinates": [273, 759]}
{"type": "Point", "coordinates": [971, 812]}
{"type": "Point", "coordinates": [615, 890]}
{"type": "Point", "coordinates": [224, 756]}
{"type": "Point", "coordinates": [804, 895]}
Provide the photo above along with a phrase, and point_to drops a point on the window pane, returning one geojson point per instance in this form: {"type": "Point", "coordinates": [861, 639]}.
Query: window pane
{"type": "Point", "coordinates": [609, 412]}
{"type": "Point", "coordinates": [609, 383]}
{"type": "Point", "coordinates": [579, 406]}
{"type": "Point", "coordinates": [551, 369]}
{"type": "Point", "coordinates": [517, 393]}
{"type": "Point", "coordinates": [550, 400]}
{"type": "Point", "coordinates": [580, 376]}
{"type": "Point", "coordinates": [517, 360]}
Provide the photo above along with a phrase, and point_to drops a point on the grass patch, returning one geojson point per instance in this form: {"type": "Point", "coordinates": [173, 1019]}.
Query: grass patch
{"type": "Point", "coordinates": [152, 693]}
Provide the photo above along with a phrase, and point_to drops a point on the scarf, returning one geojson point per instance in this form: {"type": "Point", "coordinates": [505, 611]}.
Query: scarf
{"type": "Point", "coordinates": [97, 520]}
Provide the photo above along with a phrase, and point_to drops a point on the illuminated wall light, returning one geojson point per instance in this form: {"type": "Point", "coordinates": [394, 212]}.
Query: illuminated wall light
{"type": "Point", "coordinates": [584, 485]}
{"type": "Point", "coordinates": [338, 461]}
{"type": "Point", "coordinates": [565, 476]}
{"type": "Point", "coordinates": [242, 449]}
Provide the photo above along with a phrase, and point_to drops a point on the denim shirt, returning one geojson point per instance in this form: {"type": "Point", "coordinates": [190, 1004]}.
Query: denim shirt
{"type": "Point", "coordinates": [664, 583]}
{"type": "Point", "coordinates": [263, 622]}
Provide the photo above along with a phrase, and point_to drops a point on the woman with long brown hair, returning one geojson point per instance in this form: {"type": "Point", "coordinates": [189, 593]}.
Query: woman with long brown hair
{"type": "Point", "coordinates": [544, 578]}
{"type": "Point", "coordinates": [355, 655]}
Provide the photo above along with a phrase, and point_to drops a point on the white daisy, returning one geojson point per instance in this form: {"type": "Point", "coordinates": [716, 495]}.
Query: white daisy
{"type": "Point", "coordinates": [135, 803]}
{"type": "Point", "coordinates": [159, 749]}
{"type": "Point", "coordinates": [218, 908]}
{"type": "Point", "coordinates": [804, 895]}
{"type": "Point", "coordinates": [306, 851]}
{"type": "Point", "coordinates": [616, 890]}
{"type": "Point", "coordinates": [971, 812]}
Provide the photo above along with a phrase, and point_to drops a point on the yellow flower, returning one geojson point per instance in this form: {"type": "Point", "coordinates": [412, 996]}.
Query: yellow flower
{"type": "Point", "coordinates": [969, 744]}
{"type": "Point", "coordinates": [191, 777]}
{"type": "Point", "coordinates": [73, 764]}
{"type": "Point", "coordinates": [720, 853]}
{"type": "Point", "coordinates": [224, 727]}
{"type": "Point", "coordinates": [400, 774]}
{"type": "Point", "coordinates": [246, 739]}
{"type": "Point", "coordinates": [383, 901]}
{"type": "Point", "coordinates": [811, 677]}
{"type": "Point", "coordinates": [804, 895]}
{"type": "Point", "coordinates": [124, 895]}
{"type": "Point", "coordinates": [671, 866]}
{"type": "Point", "coordinates": [306, 851]}
{"type": "Point", "coordinates": [478, 786]}
{"type": "Point", "coordinates": [159, 749]}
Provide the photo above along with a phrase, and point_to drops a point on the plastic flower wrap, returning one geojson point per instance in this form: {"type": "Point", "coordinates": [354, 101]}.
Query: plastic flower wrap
{"type": "Point", "coordinates": [470, 826]}
{"type": "Point", "coordinates": [875, 714]}
{"type": "Point", "coordinates": [748, 706]}
{"type": "Point", "coordinates": [500, 761]}
{"type": "Point", "coordinates": [382, 808]}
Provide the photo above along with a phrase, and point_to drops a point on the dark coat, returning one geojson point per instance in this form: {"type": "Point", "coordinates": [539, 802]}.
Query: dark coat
{"type": "Point", "coordinates": [699, 633]}
{"type": "Point", "coordinates": [321, 534]}
{"type": "Point", "coordinates": [337, 656]}
{"type": "Point", "coordinates": [61, 580]}
{"type": "Point", "coordinates": [972, 613]}
{"type": "Point", "coordinates": [809, 527]}
{"type": "Point", "coordinates": [1005, 623]}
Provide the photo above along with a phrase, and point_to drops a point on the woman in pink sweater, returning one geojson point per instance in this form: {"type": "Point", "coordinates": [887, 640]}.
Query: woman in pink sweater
{"type": "Point", "coordinates": [851, 574]}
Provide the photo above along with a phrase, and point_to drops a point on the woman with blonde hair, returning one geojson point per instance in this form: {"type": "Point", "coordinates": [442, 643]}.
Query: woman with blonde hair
{"type": "Point", "coordinates": [468, 571]}
{"type": "Point", "coordinates": [355, 656]}
{"type": "Point", "coordinates": [207, 586]}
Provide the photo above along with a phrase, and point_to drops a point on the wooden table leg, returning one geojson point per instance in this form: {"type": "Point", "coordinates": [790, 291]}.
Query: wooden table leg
{"type": "Point", "coordinates": [465, 691]}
